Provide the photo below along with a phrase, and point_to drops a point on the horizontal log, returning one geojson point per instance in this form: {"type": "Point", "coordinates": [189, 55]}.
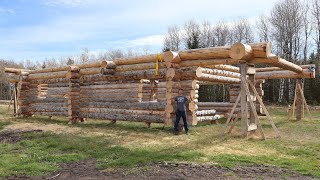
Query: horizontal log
{"type": "Point", "coordinates": [208, 118]}
{"type": "Point", "coordinates": [121, 111]}
{"type": "Point", "coordinates": [50, 81]}
{"type": "Point", "coordinates": [51, 113]}
{"type": "Point", "coordinates": [98, 64]}
{"type": "Point", "coordinates": [90, 71]}
{"type": "Point", "coordinates": [126, 117]}
{"type": "Point", "coordinates": [136, 60]}
{"type": "Point", "coordinates": [142, 66]}
{"type": "Point", "coordinates": [206, 112]}
{"type": "Point", "coordinates": [227, 68]}
{"type": "Point", "coordinates": [208, 62]}
{"type": "Point", "coordinates": [278, 62]}
{"type": "Point", "coordinates": [53, 75]}
{"type": "Point", "coordinates": [205, 53]}
{"type": "Point", "coordinates": [106, 71]}
{"type": "Point", "coordinates": [215, 78]}
{"type": "Point", "coordinates": [308, 66]}
{"type": "Point", "coordinates": [248, 51]}
{"type": "Point", "coordinates": [215, 104]}
{"type": "Point", "coordinates": [49, 108]}
{"type": "Point", "coordinates": [15, 70]}
{"type": "Point", "coordinates": [156, 106]}
{"type": "Point", "coordinates": [218, 72]}
{"type": "Point", "coordinates": [13, 79]}
{"type": "Point", "coordinates": [285, 74]}
{"type": "Point", "coordinates": [111, 86]}
{"type": "Point", "coordinates": [49, 70]}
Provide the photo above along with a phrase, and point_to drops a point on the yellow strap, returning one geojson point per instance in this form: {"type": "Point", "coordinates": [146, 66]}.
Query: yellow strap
{"type": "Point", "coordinates": [157, 64]}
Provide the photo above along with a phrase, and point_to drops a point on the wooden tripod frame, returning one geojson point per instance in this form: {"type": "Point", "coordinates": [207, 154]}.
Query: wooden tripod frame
{"type": "Point", "coordinates": [299, 102]}
{"type": "Point", "coordinates": [246, 97]}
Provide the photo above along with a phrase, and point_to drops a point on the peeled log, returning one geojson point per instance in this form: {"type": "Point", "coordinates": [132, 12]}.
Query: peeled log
{"type": "Point", "coordinates": [215, 78]}
{"type": "Point", "coordinates": [91, 65]}
{"type": "Point", "coordinates": [52, 75]}
{"type": "Point", "coordinates": [308, 66]}
{"type": "Point", "coordinates": [108, 64]}
{"type": "Point", "coordinates": [208, 118]}
{"type": "Point", "coordinates": [110, 86]}
{"type": "Point", "coordinates": [208, 62]}
{"type": "Point", "coordinates": [121, 111]}
{"type": "Point", "coordinates": [205, 53]}
{"type": "Point", "coordinates": [142, 66]}
{"type": "Point", "coordinates": [51, 113]}
{"type": "Point", "coordinates": [285, 74]}
{"type": "Point", "coordinates": [218, 72]}
{"type": "Point", "coordinates": [206, 112]}
{"type": "Point", "coordinates": [14, 70]}
{"type": "Point", "coordinates": [227, 68]}
{"type": "Point", "coordinates": [215, 104]}
{"type": "Point", "coordinates": [106, 71]}
{"type": "Point", "coordinates": [156, 106]}
{"type": "Point", "coordinates": [136, 60]}
{"type": "Point", "coordinates": [90, 71]}
{"type": "Point", "coordinates": [241, 51]}
{"type": "Point", "coordinates": [126, 117]}
{"type": "Point", "coordinates": [171, 57]}
{"type": "Point", "coordinates": [277, 61]}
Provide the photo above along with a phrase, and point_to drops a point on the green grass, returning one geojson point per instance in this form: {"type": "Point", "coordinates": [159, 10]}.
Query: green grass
{"type": "Point", "coordinates": [127, 144]}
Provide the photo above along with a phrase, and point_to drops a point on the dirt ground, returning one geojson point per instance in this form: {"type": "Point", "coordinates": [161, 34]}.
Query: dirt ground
{"type": "Point", "coordinates": [86, 169]}
{"type": "Point", "coordinates": [161, 170]}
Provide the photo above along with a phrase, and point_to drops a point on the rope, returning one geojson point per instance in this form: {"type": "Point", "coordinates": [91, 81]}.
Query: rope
{"type": "Point", "coordinates": [157, 63]}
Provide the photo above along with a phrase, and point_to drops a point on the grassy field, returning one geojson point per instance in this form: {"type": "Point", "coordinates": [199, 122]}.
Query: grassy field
{"type": "Point", "coordinates": [127, 144]}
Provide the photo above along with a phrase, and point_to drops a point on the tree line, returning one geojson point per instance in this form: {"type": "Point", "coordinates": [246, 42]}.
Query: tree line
{"type": "Point", "coordinates": [293, 28]}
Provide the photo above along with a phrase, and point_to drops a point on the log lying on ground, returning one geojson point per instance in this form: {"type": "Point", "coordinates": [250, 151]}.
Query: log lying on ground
{"type": "Point", "coordinates": [285, 74]}
{"type": "Point", "coordinates": [121, 111]}
{"type": "Point", "coordinates": [208, 118]}
{"type": "Point", "coordinates": [308, 66]}
{"type": "Point", "coordinates": [126, 117]}
{"type": "Point", "coordinates": [206, 112]}
{"type": "Point", "coordinates": [136, 60]}
{"type": "Point", "coordinates": [156, 106]}
{"type": "Point", "coordinates": [53, 75]}
{"type": "Point", "coordinates": [218, 72]}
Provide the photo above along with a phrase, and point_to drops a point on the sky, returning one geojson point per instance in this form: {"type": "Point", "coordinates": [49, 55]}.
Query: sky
{"type": "Point", "coordinates": [39, 29]}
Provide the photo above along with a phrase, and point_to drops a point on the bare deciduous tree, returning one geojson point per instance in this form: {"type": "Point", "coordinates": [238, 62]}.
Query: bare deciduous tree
{"type": "Point", "coordinates": [263, 29]}
{"type": "Point", "coordinates": [173, 39]}
{"type": "Point", "coordinates": [192, 35]}
{"type": "Point", "coordinates": [242, 31]}
{"type": "Point", "coordinates": [206, 35]}
{"type": "Point", "coordinates": [221, 34]}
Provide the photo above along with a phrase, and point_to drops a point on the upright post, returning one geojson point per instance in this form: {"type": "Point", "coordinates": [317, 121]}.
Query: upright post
{"type": "Point", "coordinates": [243, 101]}
{"type": "Point", "coordinates": [299, 101]}
{"type": "Point", "coordinates": [74, 94]}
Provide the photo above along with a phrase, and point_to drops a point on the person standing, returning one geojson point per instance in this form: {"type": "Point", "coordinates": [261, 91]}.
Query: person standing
{"type": "Point", "coordinates": [181, 112]}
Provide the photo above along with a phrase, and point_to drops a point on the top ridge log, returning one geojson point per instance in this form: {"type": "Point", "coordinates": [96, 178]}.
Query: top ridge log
{"type": "Point", "coordinates": [248, 51]}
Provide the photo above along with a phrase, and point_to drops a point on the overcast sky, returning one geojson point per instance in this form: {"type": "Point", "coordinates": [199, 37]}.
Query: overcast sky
{"type": "Point", "coordinates": [35, 29]}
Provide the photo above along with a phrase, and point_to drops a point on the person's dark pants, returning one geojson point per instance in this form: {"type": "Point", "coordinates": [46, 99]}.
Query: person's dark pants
{"type": "Point", "coordinates": [180, 114]}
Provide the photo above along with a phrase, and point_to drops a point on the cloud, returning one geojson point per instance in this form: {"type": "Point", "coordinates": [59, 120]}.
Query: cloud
{"type": "Point", "coordinates": [65, 3]}
{"type": "Point", "coordinates": [6, 10]}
